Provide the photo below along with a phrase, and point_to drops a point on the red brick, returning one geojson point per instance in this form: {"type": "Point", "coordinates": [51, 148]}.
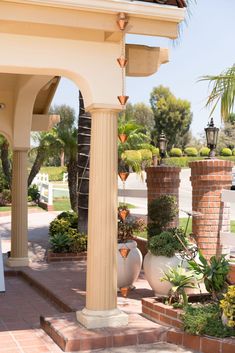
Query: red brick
{"type": "Point", "coordinates": [228, 347]}
{"type": "Point", "coordinates": [210, 345]}
{"type": "Point", "coordinates": [191, 341]}
{"type": "Point", "coordinates": [175, 337]}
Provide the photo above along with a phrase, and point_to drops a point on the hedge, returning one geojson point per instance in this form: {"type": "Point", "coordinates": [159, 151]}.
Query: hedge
{"type": "Point", "coordinates": [191, 152]}
{"type": "Point", "coordinates": [226, 152]}
{"type": "Point", "coordinates": [175, 152]}
{"type": "Point", "coordinates": [54, 173]}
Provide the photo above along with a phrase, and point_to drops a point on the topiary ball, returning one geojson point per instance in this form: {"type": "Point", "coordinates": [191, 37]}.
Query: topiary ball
{"type": "Point", "coordinates": [204, 152]}
{"type": "Point", "coordinates": [191, 152]}
{"type": "Point", "coordinates": [226, 152]}
{"type": "Point", "coordinates": [175, 152]}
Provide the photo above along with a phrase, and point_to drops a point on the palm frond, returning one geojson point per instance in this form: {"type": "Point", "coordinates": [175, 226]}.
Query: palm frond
{"type": "Point", "coordinates": [223, 91]}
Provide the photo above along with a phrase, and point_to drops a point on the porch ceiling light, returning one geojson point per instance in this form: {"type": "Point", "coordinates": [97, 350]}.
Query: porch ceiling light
{"type": "Point", "coordinates": [162, 146]}
{"type": "Point", "coordinates": [212, 134]}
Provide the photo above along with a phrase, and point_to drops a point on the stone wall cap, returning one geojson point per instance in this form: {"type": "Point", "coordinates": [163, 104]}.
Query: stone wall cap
{"type": "Point", "coordinates": [211, 163]}
{"type": "Point", "coordinates": [163, 168]}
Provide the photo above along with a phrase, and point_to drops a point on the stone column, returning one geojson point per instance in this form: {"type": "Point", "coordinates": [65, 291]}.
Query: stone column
{"type": "Point", "coordinates": [19, 211]}
{"type": "Point", "coordinates": [209, 177]}
{"type": "Point", "coordinates": [163, 180]}
{"type": "Point", "coordinates": [101, 287]}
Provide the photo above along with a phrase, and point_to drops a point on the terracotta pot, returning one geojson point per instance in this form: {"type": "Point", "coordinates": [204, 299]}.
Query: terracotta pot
{"type": "Point", "coordinates": [122, 137]}
{"type": "Point", "coordinates": [123, 175]}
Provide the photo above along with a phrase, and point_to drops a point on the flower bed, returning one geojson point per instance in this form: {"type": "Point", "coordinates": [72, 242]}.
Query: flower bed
{"type": "Point", "coordinates": [155, 310]}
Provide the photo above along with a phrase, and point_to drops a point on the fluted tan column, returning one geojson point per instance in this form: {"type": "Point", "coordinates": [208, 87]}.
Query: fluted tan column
{"type": "Point", "coordinates": [101, 292]}
{"type": "Point", "coordinates": [19, 212]}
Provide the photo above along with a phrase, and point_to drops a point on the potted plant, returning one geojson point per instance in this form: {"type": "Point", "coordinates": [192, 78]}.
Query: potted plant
{"type": "Point", "coordinates": [164, 243]}
{"type": "Point", "coordinates": [129, 256]}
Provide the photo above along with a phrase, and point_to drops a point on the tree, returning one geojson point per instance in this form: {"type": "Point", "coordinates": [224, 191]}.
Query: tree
{"type": "Point", "coordinates": [83, 139]}
{"type": "Point", "coordinates": [226, 137]}
{"type": "Point", "coordinates": [172, 115]}
{"type": "Point", "coordinates": [47, 143]}
{"type": "Point", "coordinates": [67, 133]}
{"type": "Point", "coordinates": [5, 159]}
{"type": "Point", "coordinates": [223, 91]}
{"type": "Point", "coordinates": [141, 114]}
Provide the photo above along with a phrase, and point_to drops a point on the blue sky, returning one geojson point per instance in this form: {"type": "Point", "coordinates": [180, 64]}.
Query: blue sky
{"type": "Point", "coordinates": [206, 47]}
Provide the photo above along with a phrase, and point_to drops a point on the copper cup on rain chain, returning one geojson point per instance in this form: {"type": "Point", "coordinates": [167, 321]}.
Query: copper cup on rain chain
{"type": "Point", "coordinates": [122, 137]}
{"type": "Point", "coordinates": [124, 252]}
{"type": "Point", "coordinates": [123, 175]}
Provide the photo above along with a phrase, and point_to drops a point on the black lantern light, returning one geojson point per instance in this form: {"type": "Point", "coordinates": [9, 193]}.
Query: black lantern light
{"type": "Point", "coordinates": [162, 146]}
{"type": "Point", "coordinates": [212, 134]}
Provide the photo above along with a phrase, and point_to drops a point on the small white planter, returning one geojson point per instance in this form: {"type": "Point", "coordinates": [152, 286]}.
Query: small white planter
{"type": "Point", "coordinates": [154, 268]}
{"type": "Point", "coordinates": [128, 268]}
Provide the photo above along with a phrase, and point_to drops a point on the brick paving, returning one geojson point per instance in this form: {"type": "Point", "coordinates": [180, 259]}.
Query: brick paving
{"type": "Point", "coordinates": [20, 308]}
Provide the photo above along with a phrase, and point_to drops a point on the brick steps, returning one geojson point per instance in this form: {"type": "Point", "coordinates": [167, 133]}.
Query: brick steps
{"type": "Point", "coordinates": [71, 336]}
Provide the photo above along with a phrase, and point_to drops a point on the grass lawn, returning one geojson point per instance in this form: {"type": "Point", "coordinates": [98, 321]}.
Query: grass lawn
{"type": "Point", "coordinates": [5, 208]}
{"type": "Point", "coordinates": [62, 204]}
{"type": "Point", "coordinates": [182, 223]}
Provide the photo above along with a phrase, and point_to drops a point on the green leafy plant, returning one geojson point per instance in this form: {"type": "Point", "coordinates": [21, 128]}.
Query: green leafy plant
{"type": "Point", "coordinates": [33, 193]}
{"type": "Point", "coordinates": [214, 273]}
{"type": "Point", "coordinates": [191, 152]}
{"type": "Point", "coordinates": [227, 304]}
{"type": "Point", "coordinates": [128, 227]}
{"type": "Point", "coordinates": [78, 241]}
{"type": "Point", "coordinates": [161, 212]}
{"type": "Point", "coordinates": [180, 279]}
{"type": "Point", "coordinates": [175, 152]}
{"type": "Point", "coordinates": [5, 197]}
{"type": "Point", "coordinates": [69, 216]}
{"type": "Point", "coordinates": [60, 243]}
{"type": "Point", "coordinates": [205, 319]}
{"type": "Point", "coordinates": [226, 152]}
{"type": "Point", "coordinates": [132, 158]}
{"type": "Point", "coordinates": [167, 243]}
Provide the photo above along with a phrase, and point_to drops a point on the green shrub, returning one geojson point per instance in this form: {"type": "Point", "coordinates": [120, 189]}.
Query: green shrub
{"type": "Point", "coordinates": [33, 193]}
{"type": "Point", "coordinates": [153, 149]}
{"type": "Point", "coordinates": [60, 243]}
{"type": "Point", "coordinates": [204, 152]}
{"type": "Point", "coordinates": [191, 151]}
{"type": "Point", "coordinates": [175, 152]}
{"type": "Point", "coordinates": [166, 243]}
{"type": "Point", "coordinates": [227, 304]}
{"type": "Point", "coordinates": [133, 159]}
{"type": "Point", "coordinates": [64, 236]}
{"type": "Point", "coordinates": [205, 319]}
{"type": "Point", "coordinates": [69, 216]}
{"type": "Point", "coordinates": [3, 181]}
{"type": "Point", "coordinates": [161, 212]}
{"type": "Point", "coordinates": [58, 226]}
{"type": "Point", "coordinates": [78, 241]}
{"type": "Point", "coordinates": [233, 151]}
{"type": "Point", "coordinates": [226, 152]}
{"type": "Point", "coordinates": [5, 197]}
{"type": "Point", "coordinates": [146, 158]}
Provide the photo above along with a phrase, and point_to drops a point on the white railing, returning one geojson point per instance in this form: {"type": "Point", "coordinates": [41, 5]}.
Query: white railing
{"type": "Point", "coordinates": [46, 193]}
{"type": "Point", "coordinates": [65, 177]}
{"type": "Point", "coordinates": [40, 178]}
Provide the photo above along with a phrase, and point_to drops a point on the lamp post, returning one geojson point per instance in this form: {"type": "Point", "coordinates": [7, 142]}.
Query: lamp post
{"type": "Point", "coordinates": [212, 133]}
{"type": "Point", "coordinates": [162, 146]}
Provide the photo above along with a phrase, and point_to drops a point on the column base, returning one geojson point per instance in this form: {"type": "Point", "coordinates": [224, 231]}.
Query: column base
{"type": "Point", "coordinates": [98, 319]}
{"type": "Point", "coordinates": [17, 261]}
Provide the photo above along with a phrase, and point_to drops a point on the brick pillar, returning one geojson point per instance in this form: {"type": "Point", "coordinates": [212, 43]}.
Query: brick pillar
{"type": "Point", "coordinates": [209, 177]}
{"type": "Point", "coordinates": [163, 180]}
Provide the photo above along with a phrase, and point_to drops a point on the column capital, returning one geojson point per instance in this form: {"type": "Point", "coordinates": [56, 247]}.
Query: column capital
{"type": "Point", "coordinates": [103, 108]}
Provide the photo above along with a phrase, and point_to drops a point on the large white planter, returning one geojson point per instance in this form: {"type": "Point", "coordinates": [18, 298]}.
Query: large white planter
{"type": "Point", "coordinates": [154, 268]}
{"type": "Point", "coordinates": [128, 268]}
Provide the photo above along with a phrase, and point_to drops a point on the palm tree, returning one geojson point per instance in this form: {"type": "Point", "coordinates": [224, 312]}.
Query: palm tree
{"type": "Point", "coordinates": [47, 143]}
{"type": "Point", "coordinates": [223, 91]}
{"type": "Point", "coordinates": [67, 134]}
{"type": "Point", "coordinates": [84, 136]}
{"type": "Point", "coordinates": [5, 159]}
